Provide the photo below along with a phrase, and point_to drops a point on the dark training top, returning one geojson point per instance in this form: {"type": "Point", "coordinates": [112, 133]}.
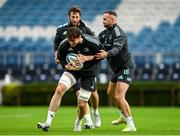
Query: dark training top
{"type": "Point", "coordinates": [114, 41]}
{"type": "Point", "coordinates": [62, 30]}
{"type": "Point", "coordinates": [90, 46]}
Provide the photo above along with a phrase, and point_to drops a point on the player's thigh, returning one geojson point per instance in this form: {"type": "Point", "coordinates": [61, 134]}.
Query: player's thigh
{"type": "Point", "coordinates": [111, 88]}
{"type": "Point", "coordinates": [60, 89]}
{"type": "Point", "coordinates": [67, 79]}
{"type": "Point", "coordinates": [121, 89]}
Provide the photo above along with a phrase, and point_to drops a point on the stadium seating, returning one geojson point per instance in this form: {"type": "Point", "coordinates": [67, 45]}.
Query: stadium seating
{"type": "Point", "coordinates": [34, 12]}
{"type": "Point", "coordinates": [175, 71]}
{"type": "Point", "coordinates": [27, 30]}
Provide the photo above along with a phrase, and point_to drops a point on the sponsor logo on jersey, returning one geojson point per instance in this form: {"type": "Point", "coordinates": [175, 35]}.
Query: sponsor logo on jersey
{"type": "Point", "coordinates": [86, 49]}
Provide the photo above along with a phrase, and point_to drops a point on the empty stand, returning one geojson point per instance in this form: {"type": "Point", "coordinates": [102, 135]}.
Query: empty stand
{"type": "Point", "coordinates": [27, 30]}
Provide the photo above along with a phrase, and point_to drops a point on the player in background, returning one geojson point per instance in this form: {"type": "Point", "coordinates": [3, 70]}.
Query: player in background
{"type": "Point", "coordinates": [86, 47]}
{"type": "Point", "coordinates": [75, 20]}
{"type": "Point", "coordinates": [116, 51]}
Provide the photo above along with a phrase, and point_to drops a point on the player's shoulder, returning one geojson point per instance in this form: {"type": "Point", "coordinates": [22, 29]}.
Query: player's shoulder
{"type": "Point", "coordinates": [63, 26]}
{"type": "Point", "coordinates": [64, 43]}
{"type": "Point", "coordinates": [62, 29]}
{"type": "Point", "coordinates": [92, 39]}
{"type": "Point", "coordinates": [118, 31]}
{"type": "Point", "coordinates": [84, 24]}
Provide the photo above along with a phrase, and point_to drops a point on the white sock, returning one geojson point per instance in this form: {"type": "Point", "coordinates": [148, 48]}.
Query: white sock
{"type": "Point", "coordinates": [95, 111]}
{"type": "Point", "coordinates": [130, 122]}
{"type": "Point", "coordinates": [88, 119]}
{"type": "Point", "coordinates": [78, 121]}
{"type": "Point", "coordinates": [50, 117]}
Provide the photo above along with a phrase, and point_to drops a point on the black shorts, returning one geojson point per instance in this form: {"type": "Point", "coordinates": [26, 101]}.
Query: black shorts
{"type": "Point", "coordinates": [77, 86]}
{"type": "Point", "coordinates": [86, 82]}
{"type": "Point", "coordinates": [124, 75]}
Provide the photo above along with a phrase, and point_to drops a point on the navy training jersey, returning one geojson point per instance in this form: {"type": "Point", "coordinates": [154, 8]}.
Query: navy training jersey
{"type": "Point", "coordinates": [114, 41]}
{"type": "Point", "coordinates": [90, 46]}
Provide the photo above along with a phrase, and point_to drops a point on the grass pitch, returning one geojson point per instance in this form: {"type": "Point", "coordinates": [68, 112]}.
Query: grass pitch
{"type": "Point", "coordinates": [149, 121]}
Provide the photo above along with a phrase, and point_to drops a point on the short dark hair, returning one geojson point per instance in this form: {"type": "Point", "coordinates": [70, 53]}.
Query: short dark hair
{"type": "Point", "coordinates": [73, 33]}
{"type": "Point", "coordinates": [111, 12]}
{"type": "Point", "coordinates": [74, 9]}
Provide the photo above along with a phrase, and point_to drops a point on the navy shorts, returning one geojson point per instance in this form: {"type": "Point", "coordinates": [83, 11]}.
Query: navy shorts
{"type": "Point", "coordinates": [124, 75]}
{"type": "Point", "coordinates": [76, 87]}
{"type": "Point", "coordinates": [86, 82]}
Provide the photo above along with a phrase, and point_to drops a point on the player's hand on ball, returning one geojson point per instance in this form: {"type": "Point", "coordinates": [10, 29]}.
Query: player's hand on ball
{"type": "Point", "coordinates": [74, 62]}
{"type": "Point", "coordinates": [73, 67]}
{"type": "Point", "coordinates": [82, 58]}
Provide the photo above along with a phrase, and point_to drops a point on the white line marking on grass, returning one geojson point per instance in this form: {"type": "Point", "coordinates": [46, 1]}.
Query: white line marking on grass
{"type": "Point", "coordinates": [16, 116]}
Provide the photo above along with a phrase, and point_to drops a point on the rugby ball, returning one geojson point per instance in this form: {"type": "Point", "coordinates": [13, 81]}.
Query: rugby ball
{"type": "Point", "coordinates": [72, 58]}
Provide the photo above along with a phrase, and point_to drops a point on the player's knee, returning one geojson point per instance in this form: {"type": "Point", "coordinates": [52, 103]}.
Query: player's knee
{"type": "Point", "coordinates": [60, 90]}
{"type": "Point", "coordinates": [94, 94]}
{"type": "Point", "coordinates": [119, 98]}
{"type": "Point", "coordinates": [81, 104]}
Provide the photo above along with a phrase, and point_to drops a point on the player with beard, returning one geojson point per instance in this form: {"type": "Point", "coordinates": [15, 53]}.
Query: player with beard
{"type": "Point", "coordinates": [116, 51]}
{"type": "Point", "coordinates": [85, 46]}
{"type": "Point", "coordinates": [75, 20]}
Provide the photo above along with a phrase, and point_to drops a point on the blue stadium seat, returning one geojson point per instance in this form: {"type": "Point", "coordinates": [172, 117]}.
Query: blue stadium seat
{"type": "Point", "coordinates": [38, 8]}
{"type": "Point", "coordinates": [3, 71]}
{"type": "Point", "coordinates": [147, 71]}
{"type": "Point", "coordinates": [164, 38]}
{"type": "Point", "coordinates": [16, 71]}
{"type": "Point", "coordinates": [175, 71]}
{"type": "Point", "coordinates": [162, 72]}
{"type": "Point", "coordinates": [30, 74]}
{"type": "Point", "coordinates": [43, 72]}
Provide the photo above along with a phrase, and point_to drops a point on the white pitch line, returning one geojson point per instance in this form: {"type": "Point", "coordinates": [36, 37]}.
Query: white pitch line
{"type": "Point", "coordinates": [16, 116]}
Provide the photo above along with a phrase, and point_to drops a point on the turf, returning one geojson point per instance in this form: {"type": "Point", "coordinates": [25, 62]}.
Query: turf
{"type": "Point", "coordinates": [149, 121]}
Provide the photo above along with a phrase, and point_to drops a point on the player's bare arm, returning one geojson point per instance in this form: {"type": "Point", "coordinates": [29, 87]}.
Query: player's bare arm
{"type": "Point", "coordinates": [83, 58]}
{"type": "Point", "coordinates": [57, 61]}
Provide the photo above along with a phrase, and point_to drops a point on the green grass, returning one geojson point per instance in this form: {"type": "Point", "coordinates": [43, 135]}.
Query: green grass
{"type": "Point", "coordinates": [149, 121]}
